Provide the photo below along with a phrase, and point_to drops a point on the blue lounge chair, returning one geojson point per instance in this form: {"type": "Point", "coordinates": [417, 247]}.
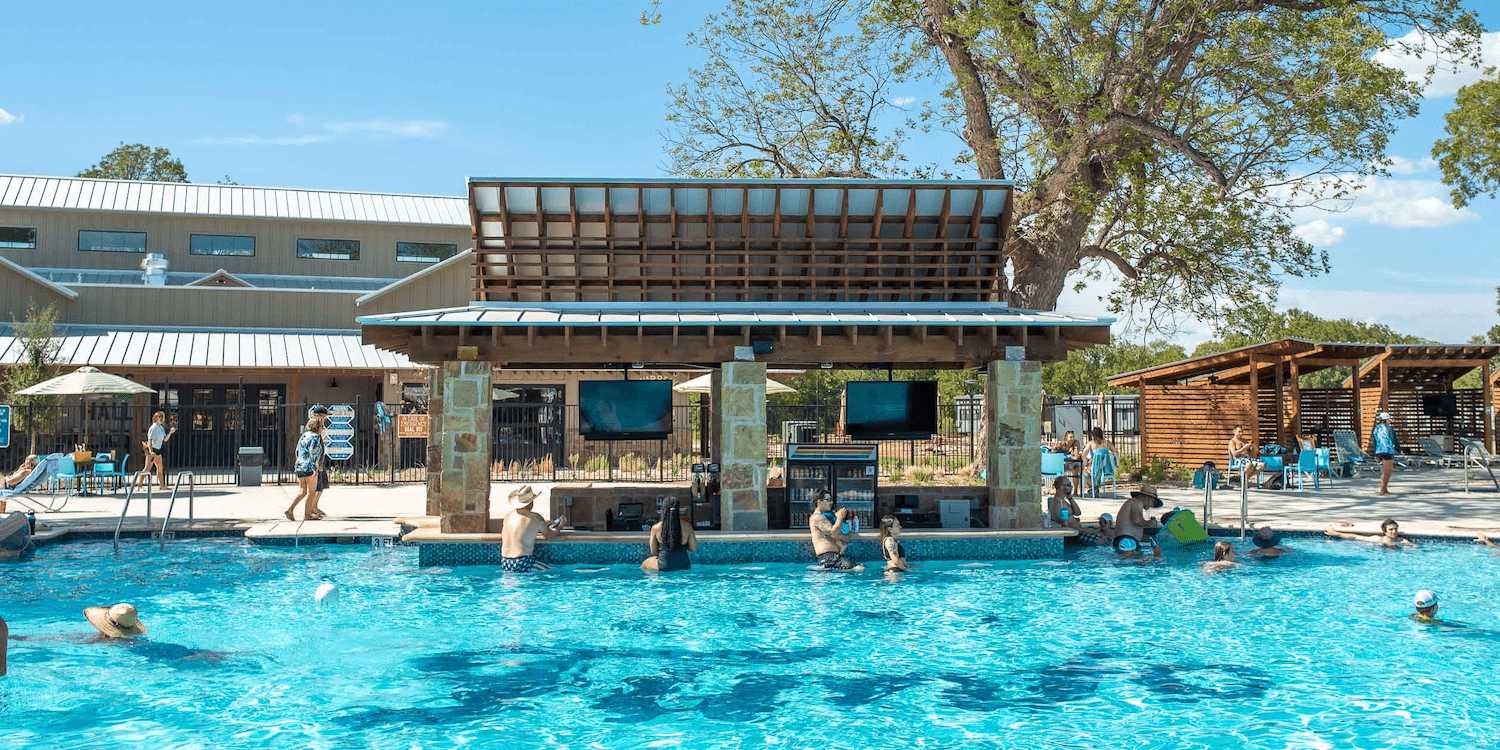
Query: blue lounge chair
{"type": "Point", "coordinates": [1351, 453]}
{"type": "Point", "coordinates": [33, 484]}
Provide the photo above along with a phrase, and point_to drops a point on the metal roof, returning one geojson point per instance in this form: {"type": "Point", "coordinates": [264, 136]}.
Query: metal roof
{"type": "Point", "coordinates": [690, 314]}
{"type": "Point", "coordinates": [88, 194]}
{"type": "Point", "coordinates": [464, 258]}
{"type": "Point", "coordinates": [176, 348]}
{"type": "Point", "coordinates": [28, 273]}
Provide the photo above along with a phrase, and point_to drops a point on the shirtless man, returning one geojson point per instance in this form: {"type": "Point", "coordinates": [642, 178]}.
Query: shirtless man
{"type": "Point", "coordinates": [829, 539]}
{"type": "Point", "coordinates": [1240, 449]}
{"type": "Point", "coordinates": [518, 536]}
{"type": "Point", "coordinates": [1389, 536]}
{"type": "Point", "coordinates": [1132, 521]}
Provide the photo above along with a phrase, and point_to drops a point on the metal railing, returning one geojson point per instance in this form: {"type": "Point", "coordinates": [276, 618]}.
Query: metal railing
{"type": "Point", "coordinates": [172, 504]}
{"type": "Point", "coordinates": [129, 494]}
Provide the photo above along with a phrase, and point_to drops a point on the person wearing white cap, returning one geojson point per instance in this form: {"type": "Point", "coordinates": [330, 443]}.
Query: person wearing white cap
{"type": "Point", "coordinates": [1426, 603]}
{"type": "Point", "coordinates": [1383, 444]}
{"type": "Point", "coordinates": [518, 536]}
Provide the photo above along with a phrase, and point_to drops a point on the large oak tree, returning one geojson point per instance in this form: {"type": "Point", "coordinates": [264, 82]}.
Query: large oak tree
{"type": "Point", "coordinates": [1165, 142]}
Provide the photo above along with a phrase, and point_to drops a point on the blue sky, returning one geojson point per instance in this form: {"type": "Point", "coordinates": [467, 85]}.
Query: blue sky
{"type": "Point", "coordinates": [415, 97]}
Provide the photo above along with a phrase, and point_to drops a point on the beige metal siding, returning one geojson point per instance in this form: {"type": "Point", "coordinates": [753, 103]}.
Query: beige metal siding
{"type": "Point", "coordinates": [190, 306]}
{"type": "Point", "coordinates": [275, 242]}
{"type": "Point", "coordinates": [451, 286]}
{"type": "Point", "coordinates": [18, 293]}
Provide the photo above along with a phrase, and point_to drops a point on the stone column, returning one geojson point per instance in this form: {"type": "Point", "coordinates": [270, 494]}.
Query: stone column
{"type": "Point", "coordinates": [739, 401]}
{"type": "Point", "coordinates": [1013, 417]}
{"type": "Point", "coordinates": [458, 446]}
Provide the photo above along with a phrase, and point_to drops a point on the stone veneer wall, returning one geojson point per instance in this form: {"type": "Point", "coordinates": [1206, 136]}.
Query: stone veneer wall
{"type": "Point", "coordinates": [458, 446]}
{"type": "Point", "coordinates": [1013, 413]}
{"type": "Point", "coordinates": [739, 400]}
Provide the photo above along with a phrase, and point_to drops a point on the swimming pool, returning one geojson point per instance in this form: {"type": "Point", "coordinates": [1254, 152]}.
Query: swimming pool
{"type": "Point", "coordinates": [1314, 650]}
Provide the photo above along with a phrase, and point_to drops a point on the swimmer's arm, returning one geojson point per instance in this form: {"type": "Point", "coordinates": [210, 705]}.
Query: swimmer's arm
{"type": "Point", "coordinates": [827, 528]}
{"type": "Point", "coordinates": [1486, 541]}
{"type": "Point", "coordinates": [1351, 536]}
{"type": "Point", "coordinates": [549, 531]}
{"type": "Point", "coordinates": [692, 540]}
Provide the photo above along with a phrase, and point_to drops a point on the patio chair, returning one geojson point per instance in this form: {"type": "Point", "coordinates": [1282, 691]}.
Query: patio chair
{"type": "Point", "coordinates": [106, 469]}
{"type": "Point", "coordinates": [1350, 452]}
{"type": "Point", "coordinates": [1054, 465]}
{"type": "Point", "coordinates": [1305, 466]}
{"type": "Point", "coordinates": [66, 471]}
{"type": "Point", "coordinates": [1324, 458]}
{"type": "Point", "coordinates": [1102, 468]}
{"type": "Point", "coordinates": [32, 485]}
{"type": "Point", "coordinates": [1433, 451]}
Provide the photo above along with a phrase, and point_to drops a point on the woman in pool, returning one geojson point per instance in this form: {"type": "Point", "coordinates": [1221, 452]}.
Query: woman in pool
{"type": "Point", "coordinates": [890, 546]}
{"type": "Point", "coordinates": [118, 621]}
{"type": "Point", "coordinates": [672, 538]}
{"type": "Point", "coordinates": [1389, 536]}
{"type": "Point", "coordinates": [1223, 558]}
{"type": "Point", "coordinates": [1267, 544]}
{"type": "Point", "coordinates": [1061, 507]}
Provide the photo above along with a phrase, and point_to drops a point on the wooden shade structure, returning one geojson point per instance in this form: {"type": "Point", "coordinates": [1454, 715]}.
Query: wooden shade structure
{"type": "Point", "coordinates": [1189, 408]}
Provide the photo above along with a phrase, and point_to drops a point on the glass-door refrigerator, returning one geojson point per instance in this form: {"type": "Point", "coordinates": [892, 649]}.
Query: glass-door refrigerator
{"type": "Point", "coordinates": [850, 471]}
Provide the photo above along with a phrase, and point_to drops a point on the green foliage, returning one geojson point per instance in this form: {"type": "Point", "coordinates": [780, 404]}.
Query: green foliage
{"type": "Point", "coordinates": [38, 362]}
{"type": "Point", "coordinates": [1086, 371]}
{"type": "Point", "coordinates": [1470, 154]}
{"type": "Point", "coordinates": [1165, 143]}
{"type": "Point", "coordinates": [819, 386]}
{"type": "Point", "coordinates": [137, 161]}
{"type": "Point", "coordinates": [1157, 470]}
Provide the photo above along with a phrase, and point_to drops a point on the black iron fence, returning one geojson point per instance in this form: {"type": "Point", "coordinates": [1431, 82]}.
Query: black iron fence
{"type": "Point", "coordinates": [953, 450]}
{"type": "Point", "coordinates": [1117, 415]}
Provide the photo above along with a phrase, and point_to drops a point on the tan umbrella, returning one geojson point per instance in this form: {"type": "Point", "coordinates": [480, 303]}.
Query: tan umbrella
{"type": "Point", "coordinates": [704, 384]}
{"type": "Point", "coordinates": [85, 381]}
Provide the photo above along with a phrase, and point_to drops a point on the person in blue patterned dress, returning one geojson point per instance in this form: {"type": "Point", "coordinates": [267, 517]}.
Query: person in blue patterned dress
{"type": "Point", "coordinates": [309, 452]}
{"type": "Point", "coordinates": [1383, 444]}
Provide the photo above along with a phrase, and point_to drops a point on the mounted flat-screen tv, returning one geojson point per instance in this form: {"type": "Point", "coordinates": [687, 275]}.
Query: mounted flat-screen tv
{"type": "Point", "coordinates": [625, 409]}
{"type": "Point", "coordinates": [1440, 405]}
{"type": "Point", "coordinates": [875, 409]}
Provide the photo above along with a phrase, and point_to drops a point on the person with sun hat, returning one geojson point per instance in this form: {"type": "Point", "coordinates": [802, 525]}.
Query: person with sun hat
{"type": "Point", "coordinates": [117, 621]}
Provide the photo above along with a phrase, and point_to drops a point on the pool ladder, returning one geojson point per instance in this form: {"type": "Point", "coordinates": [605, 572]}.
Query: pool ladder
{"type": "Point", "coordinates": [172, 503]}
{"type": "Point", "coordinates": [176, 485]}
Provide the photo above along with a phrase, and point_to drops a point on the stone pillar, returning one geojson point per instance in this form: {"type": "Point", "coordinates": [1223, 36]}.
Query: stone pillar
{"type": "Point", "coordinates": [1013, 416]}
{"type": "Point", "coordinates": [739, 401]}
{"type": "Point", "coordinates": [458, 446]}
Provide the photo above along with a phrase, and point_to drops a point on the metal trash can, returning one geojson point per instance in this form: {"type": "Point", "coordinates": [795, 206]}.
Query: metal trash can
{"type": "Point", "coordinates": [251, 459]}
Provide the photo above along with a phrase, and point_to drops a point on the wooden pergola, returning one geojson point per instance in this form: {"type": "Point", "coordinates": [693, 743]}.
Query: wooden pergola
{"type": "Point", "coordinates": [1189, 408]}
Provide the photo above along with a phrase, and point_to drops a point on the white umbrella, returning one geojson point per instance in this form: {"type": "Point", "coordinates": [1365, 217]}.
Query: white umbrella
{"type": "Point", "coordinates": [704, 384]}
{"type": "Point", "coordinates": [85, 381]}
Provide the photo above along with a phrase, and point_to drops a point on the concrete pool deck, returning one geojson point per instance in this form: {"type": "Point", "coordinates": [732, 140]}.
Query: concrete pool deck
{"type": "Point", "coordinates": [1431, 502]}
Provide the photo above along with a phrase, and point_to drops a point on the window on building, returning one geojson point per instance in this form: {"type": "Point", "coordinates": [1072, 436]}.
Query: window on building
{"type": "Point", "coordinates": [328, 249]}
{"type": "Point", "coordinates": [425, 252]}
{"type": "Point", "coordinates": [17, 238]}
{"type": "Point", "coordinates": [91, 240]}
{"type": "Point", "coordinates": [221, 244]}
{"type": "Point", "coordinates": [203, 418]}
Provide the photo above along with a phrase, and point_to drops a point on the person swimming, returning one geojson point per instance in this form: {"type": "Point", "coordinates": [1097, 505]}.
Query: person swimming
{"type": "Point", "coordinates": [890, 546]}
{"type": "Point", "coordinates": [1223, 559]}
{"type": "Point", "coordinates": [1426, 602]}
{"type": "Point", "coordinates": [672, 538]}
{"type": "Point", "coordinates": [116, 621]}
{"type": "Point", "coordinates": [1389, 536]}
{"type": "Point", "coordinates": [1267, 544]}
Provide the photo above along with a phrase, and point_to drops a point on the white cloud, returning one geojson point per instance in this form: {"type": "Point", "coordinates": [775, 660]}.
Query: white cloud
{"type": "Point", "coordinates": [1319, 233]}
{"type": "Point", "coordinates": [326, 132]}
{"type": "Point", "coordinates": [1449, 317]}
{"type": "Point", "coordinates": [1392, 202]}
{"type": "Point", "coordinates": [1400, 165]}
{"type": "Point", "coordinates": [903, 101]}
{"type": "Point", "coordinates": [1447, 77]}
{"type": "Point", "coordinates": [263, 140]}
{"type": "Point", "coordinates": [6, 118]}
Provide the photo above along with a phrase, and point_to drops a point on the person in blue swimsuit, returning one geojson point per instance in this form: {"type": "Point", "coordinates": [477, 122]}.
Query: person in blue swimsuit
{"type": "Point", "coordinates": [1383, 444]}
{"type": "Point", "coordinates": [672, 538]}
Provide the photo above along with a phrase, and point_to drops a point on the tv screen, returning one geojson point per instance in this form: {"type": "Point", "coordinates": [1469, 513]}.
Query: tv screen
{"type": "Point", "coordinates": [625, 409]}
{"type": "Point", "coordinates": [1440, 405]}
{"type": "Point", "coordinates": [879, 409]}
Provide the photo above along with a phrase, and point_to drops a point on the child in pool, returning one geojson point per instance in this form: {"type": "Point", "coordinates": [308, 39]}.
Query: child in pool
{"type": "Point", "coordinates": [1223, 559]}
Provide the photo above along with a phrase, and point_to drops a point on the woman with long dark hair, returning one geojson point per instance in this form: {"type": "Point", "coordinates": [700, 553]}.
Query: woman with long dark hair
{"type": "Point", "coordinates": [672, 538]}
{"type": "Point", "coordinates": [890, 545]}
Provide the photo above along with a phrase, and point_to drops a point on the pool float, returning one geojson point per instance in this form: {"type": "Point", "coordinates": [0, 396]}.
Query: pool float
{"type": "Point", "coordinates": [1182, 528]}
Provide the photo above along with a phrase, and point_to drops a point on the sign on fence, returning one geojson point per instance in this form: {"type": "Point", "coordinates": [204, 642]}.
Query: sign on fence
{"type": "Point", "coordinates": [340, 432]}
{"type": "Point", "coordinates": [411, 425]}
{"type": "Point", "coordinates": [4, 425]}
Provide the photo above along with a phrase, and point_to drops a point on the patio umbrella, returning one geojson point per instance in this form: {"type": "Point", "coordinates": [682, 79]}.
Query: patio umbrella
{"type": "Point", "coordinates": [85, 382]}
{"type": "Point", "coordinates": [704, 384]}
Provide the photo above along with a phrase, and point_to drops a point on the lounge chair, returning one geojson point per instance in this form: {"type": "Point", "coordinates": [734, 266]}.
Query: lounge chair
{"type": "Point", "coordinates": [1350, 452]}
{"type": "Point", "coordinates": [1475, 451]}
{"type": "Point", "coordinates": [1432, 451]}
{"type": "Point", "coordinates": [33, 484]}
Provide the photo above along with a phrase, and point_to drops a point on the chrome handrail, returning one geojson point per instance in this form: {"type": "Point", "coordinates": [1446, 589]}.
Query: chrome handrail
{"type": "Point", "coordinates": [172, 503]}
{"type": "Point", "coordinates": [130, 493]}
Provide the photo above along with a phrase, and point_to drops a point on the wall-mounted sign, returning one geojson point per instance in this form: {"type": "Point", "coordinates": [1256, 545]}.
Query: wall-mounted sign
{"type": "Point", "coordinates": [4, 425]}
{"type": "Point", "coordinates": [411, 426]}
{"type": "Point", "coordinates": [340, 432]}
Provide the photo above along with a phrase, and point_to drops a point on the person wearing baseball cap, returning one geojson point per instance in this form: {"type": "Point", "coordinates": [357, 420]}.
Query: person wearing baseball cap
{"type": "Point", "coordinates": [1384, 445]}
{"type": "Point", "coordinates": [1426, 602]}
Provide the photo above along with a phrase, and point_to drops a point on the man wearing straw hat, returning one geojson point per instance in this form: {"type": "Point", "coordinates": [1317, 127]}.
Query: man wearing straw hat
{"type": "Point", "coordinates": [518, 536]}
{"type": "Point", "coordinates": [1131, 520]}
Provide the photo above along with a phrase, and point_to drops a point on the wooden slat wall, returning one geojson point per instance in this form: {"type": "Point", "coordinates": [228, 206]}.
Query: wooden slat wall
{"type": "Point", "coordinates": [1412, 424]}
{"type": "Point", "coordinates": [1325, 410]}
{"type": "Point", "coordinates": [1188, 425]}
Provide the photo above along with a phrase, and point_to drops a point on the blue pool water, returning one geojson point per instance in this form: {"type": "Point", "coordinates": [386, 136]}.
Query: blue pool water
{"type": "Point", "coordinates": [1310, 651]}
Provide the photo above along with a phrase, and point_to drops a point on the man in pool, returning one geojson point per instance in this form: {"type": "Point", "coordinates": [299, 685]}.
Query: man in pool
{"type": "Point", "coordinates": [1389, 536]}
{"type": "Point", "coordinates": [1267, 544]}
{"type": "Point", "coordinates": [831, 534]}
{"type": "Point", "coordinates": [1132, 520]}
{"type": "Point", "coordinates": [518, 536]}
{"type": "Point", "coordinates": [1426, 603]}
{"type": "Point", "coordinates": [117, 621]}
